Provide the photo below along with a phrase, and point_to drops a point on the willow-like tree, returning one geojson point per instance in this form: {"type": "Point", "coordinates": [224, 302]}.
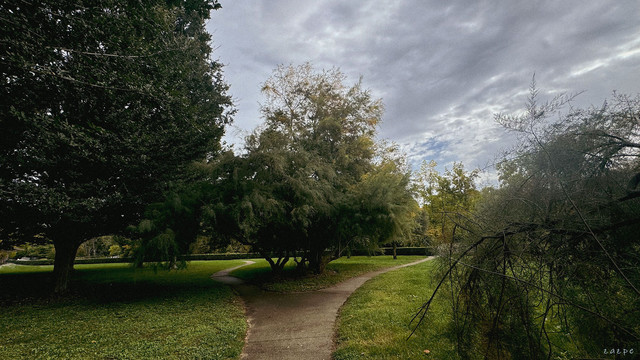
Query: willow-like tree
{"type": "Point", "coordinates": [310, 181]}
{"type": "Point", "coordinates": [324, 131]}
{"type": "Point", "coordinates": [103, 104]}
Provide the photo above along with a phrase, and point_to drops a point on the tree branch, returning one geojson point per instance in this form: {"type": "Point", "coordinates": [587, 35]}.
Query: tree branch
{"type": "Point", "coordinates": [567, 301]}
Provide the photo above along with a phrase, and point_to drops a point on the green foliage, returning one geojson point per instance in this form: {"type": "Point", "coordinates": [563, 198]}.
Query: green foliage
{"type": "Point", "coordinates": [379, 208]}
{"type": "Point", "coordinates": [306, 173]}
{"type": "Point", "coordinates": [200, 246]}
{"type": "Point", "coordinates": [554, 250]}
{"type": "Point", "coordinates": [35, 251]}
{"type": "Point", "coordinates": [102, 109]}
{"type": "Point", "coordinates": [170, 227]}
{"type": "Point", "coordinates": [446, 199]}
{"type": "Point", "coordinates": [6, 255]}
{"type": "Point", "coordinates": [101, 246]}
{"type": "Point", "coordinates": [316, 143]}
{"type": "Point", "coordinates": [115, 250]}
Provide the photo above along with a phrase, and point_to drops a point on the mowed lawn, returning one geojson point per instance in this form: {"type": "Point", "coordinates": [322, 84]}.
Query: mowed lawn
{"type": "Point", "coordinates": [118, 312]}
{"type": "Point", "coordinates": [374, 322]}
{"type": "Point", "coordinates": [336, 271]}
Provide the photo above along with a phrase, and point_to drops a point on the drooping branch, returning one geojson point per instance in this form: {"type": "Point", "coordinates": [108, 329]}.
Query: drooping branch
{"type": "Point", "coordinates": [584, 221]}
{"type": "Point", "coordinates": [558, 296]}
{"type": "Point", "coordinates": [422, 312]}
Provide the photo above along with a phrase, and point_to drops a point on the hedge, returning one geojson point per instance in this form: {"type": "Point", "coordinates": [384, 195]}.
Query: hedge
{"type": "Point", "coordinates": [229, 256]}
{"type": "Point", "coordinates": [389, 251]}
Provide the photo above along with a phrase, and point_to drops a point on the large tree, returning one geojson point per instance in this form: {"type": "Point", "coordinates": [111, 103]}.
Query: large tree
{"type": "Point", "coordinates": [310, 180]}
{"type": "Point", "coordinates": [343, 186]}
{"type": "Point", "coordinates": [103, 105]}
{"type": "Point", "coordinates": [316, 143]}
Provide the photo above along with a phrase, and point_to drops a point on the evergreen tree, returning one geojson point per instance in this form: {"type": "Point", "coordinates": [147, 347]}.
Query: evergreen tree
{"type": "Point", "coordinates": [104, 104]}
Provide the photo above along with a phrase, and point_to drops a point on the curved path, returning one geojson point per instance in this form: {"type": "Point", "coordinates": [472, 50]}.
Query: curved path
{"type": "Point", "coordinates": [295, 325]}
{"type": "Point", "coordinates": [224, 277]}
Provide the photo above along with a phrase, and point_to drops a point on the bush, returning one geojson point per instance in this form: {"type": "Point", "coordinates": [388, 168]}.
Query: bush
{"type": "Point", "coordinates": [115, 250]}
{"type": "Point", "coordinates": [46, 251]}
{"type": "Point", "coordinates": [389, 251]}
{"type": "Point", "coordinates": [5, 256]}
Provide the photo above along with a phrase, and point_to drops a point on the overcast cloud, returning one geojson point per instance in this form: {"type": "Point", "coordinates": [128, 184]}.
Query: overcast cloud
{"type": "Point", "coordinates": [442, 68]}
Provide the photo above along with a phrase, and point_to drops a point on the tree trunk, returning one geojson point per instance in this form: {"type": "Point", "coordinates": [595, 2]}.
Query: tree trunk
{"type": "Point", "coordinates": [318, 261]}
{"type": "Point", "coordinates": [276, 266]}
{"type": "Point", "coordinates": [301, 266]}
{"type": "Point", "coordinates": [63, 264]}
{"type": "Point", "coordinates": [395, 247]}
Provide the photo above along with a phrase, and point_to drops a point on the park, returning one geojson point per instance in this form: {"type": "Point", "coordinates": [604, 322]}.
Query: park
{"type": "Point", "coordinates": [130, 313]}
{"type": "Point", "coordinates": [130, 228]}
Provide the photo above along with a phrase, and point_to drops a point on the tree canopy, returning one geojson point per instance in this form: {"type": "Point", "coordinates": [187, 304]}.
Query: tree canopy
{"type": "Point", "coordinates": [103, 106]}
{"type": "Point", "coordinates": [312, 166]}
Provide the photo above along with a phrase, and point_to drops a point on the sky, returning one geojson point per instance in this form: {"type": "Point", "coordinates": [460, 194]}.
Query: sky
{"type": "Point", "coordinates": [442, 68]}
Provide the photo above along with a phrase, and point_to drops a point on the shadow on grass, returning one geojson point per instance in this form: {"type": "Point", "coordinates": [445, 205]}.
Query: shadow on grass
{"type": "Point", "coordinates": [104, 285]}
{"type": "Point", "coordinates": [293, 280]}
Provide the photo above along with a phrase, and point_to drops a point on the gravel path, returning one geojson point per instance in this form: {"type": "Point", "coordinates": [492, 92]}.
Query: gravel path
{"type": "Point", "coordinates": [294, 325]}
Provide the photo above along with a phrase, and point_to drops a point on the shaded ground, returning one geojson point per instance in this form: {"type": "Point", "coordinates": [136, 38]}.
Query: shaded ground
{"type": "Point", "coordinates": [294, 325]}
{"type": "Point", "coordinates": [116, 311]}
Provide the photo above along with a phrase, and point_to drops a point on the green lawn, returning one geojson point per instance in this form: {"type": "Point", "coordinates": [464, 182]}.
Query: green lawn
{"type": "Point", "coordinates": [337, 271]}
{"type": "Point", "coordinates": [374, 322]}
{"type": "Point", "coordinates": [118, 312]}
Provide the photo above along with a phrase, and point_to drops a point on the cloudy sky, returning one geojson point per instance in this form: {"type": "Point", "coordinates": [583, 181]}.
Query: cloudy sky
{"type": "Point", "coordinates": [442, 68]}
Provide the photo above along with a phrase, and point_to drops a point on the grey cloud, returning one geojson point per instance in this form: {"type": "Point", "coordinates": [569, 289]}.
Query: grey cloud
{"type": "Point", "coordinates": [442, 68]}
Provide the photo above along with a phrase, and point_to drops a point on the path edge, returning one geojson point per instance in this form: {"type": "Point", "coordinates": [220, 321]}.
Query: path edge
{"type": "Point", "coordinates": [334, 344]}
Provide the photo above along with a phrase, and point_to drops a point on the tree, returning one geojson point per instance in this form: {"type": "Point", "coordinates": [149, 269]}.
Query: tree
{"type": "Point", "coordinates": [323, 131]}
{"type": "Point", "coordinates": [306, 173]}
{"type": "Point", "coordinates": [310, 182]}
{"type": "Point", "coordinates": [445, 198]}
{"type": "Point", "coordinates": [555, 246]}
{"type": "Point", "coordinates": [103, 106]}
{"type": "Point", "coordinates": [379, 208]}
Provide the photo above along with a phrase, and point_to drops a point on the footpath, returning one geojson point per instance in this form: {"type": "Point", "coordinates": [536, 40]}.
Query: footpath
{"type": "Point", "coordinates": [294, 325]}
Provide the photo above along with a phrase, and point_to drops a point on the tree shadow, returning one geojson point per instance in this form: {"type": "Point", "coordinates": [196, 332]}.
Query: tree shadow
{"type": "Point", "coordinates": [100, 287]}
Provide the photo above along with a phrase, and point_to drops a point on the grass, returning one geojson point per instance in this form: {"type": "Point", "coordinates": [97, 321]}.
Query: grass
{"type": "Point", "coordinates": [337, 271]}
{"type": "Point", "coordinates": [374, 322]}
{"type": "Point", "coordinates": [118, 312]}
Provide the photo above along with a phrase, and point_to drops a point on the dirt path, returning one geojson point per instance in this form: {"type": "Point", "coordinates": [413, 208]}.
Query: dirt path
{"type": "Point", "coordinates": [296, 325]}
